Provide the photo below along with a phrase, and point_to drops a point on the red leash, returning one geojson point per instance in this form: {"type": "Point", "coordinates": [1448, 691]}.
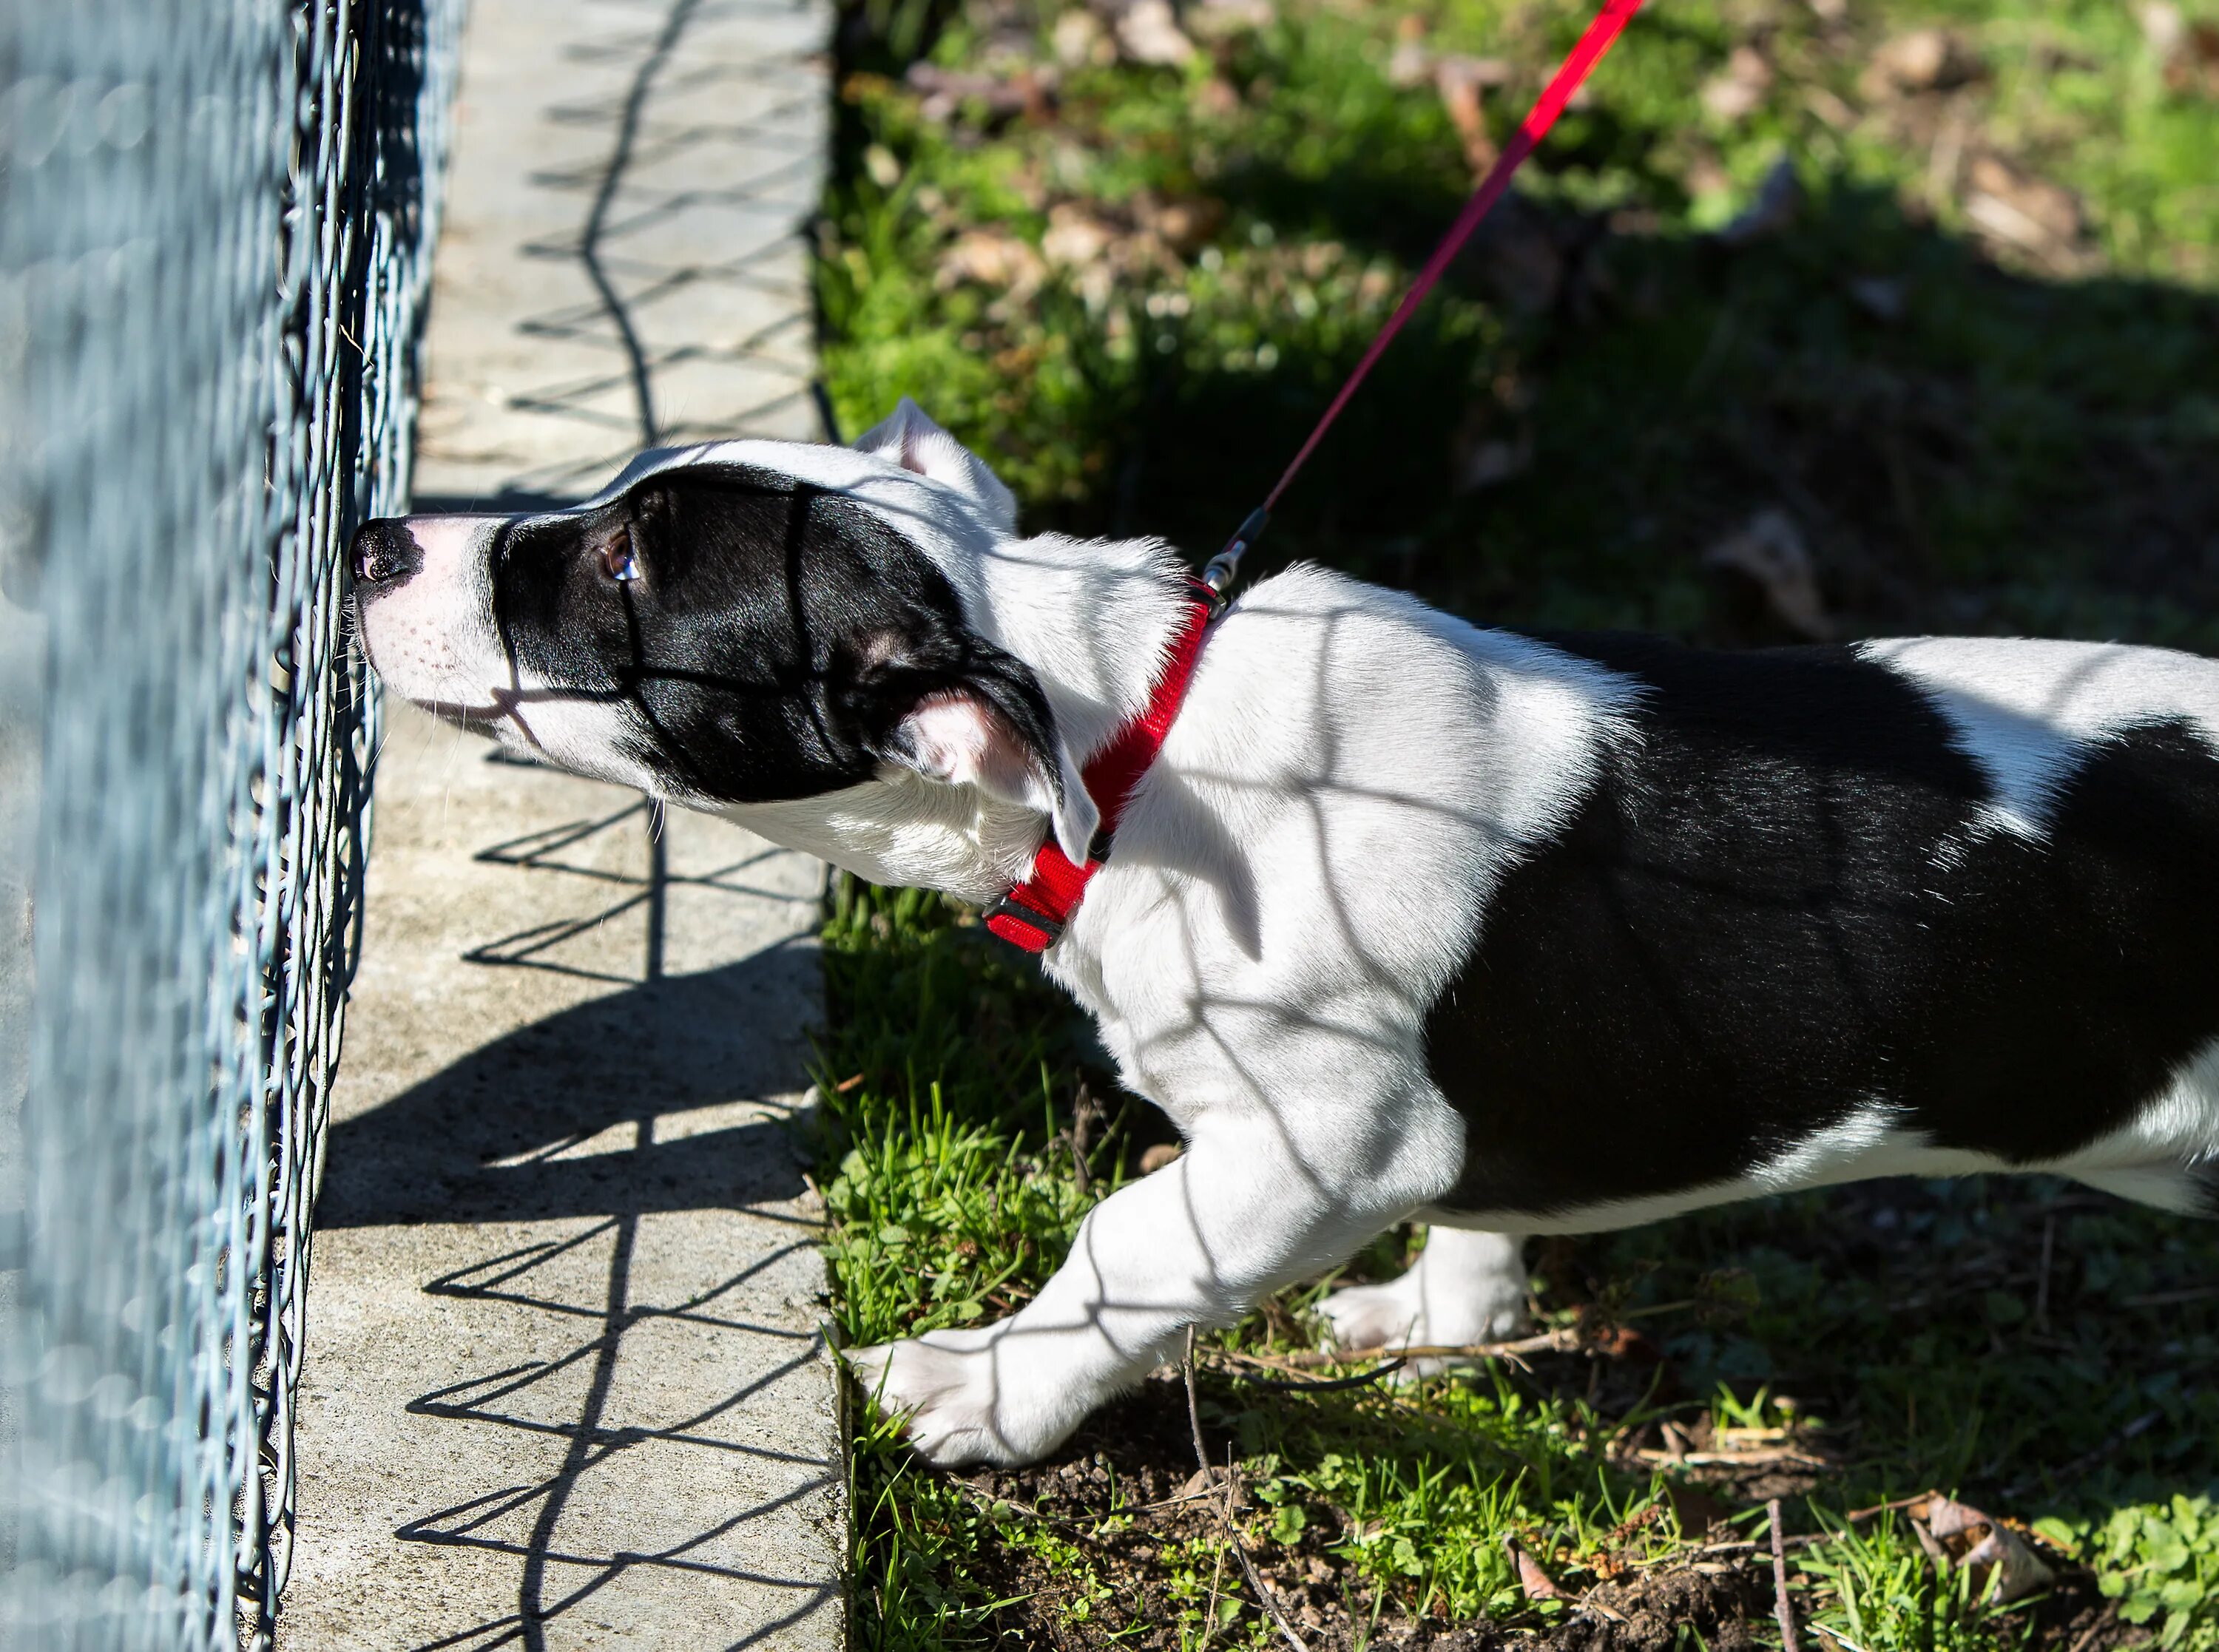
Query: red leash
{"type": "Point", "coordinates": [1032, 914]}
{"type": "Point", "coordinates": [1599, 36]}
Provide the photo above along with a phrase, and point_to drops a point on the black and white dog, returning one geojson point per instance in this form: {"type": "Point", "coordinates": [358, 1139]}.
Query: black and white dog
{"type": "Point", "coordinates": [1407, 918]}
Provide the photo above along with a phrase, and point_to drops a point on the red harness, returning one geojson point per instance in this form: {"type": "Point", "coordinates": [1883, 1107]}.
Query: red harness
{"type": "Point", "coordinates": [1033, 914]}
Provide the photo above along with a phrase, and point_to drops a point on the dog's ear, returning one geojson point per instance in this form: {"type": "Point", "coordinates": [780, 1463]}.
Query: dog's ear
{"type": "Point", "coordinates": [991, 729]}
{"type": "Point", "coordinates": [912, 441]}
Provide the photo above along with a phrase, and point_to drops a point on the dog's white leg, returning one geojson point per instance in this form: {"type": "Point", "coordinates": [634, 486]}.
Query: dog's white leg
{"type": "Point", "coordinates": [1465, 1287]}
{"type": "Point", "coordinates": [1248, 1207]}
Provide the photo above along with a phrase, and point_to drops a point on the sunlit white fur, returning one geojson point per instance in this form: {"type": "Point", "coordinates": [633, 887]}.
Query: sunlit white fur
{"type": "Point", "coordinates": [1294, 882]}
{"type": "Point", "coordinates": [904, 830]}
{"type": "Point", "coordinates": [1350, 775]}
{"type": "Point", "coordinates": [1260, 953]}
{"type": "Point", "coordinates": [2027, 712]}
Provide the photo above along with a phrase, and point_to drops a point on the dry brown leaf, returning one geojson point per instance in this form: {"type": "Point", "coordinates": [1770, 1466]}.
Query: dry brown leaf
{"type": "Point", "coordinates": [1220, 20]}
{"type": "Point", "coordinates": [2163, 27]}
{"type": "Point", "coordinates": [1411, 63]}
{"type": "Point", "coordinates": [1148, 32]}
{"type": "Point", "coordinates": [2198, 72]}
{"type": "Point", "coordinates": [991, 257]}
{"type": "Point", "coordinates": [2003, 1567]}
{"type": "Point", "coordinates": [1077, 237]}
{"type": "Point", "coordinates": [1770, 550]}
{"type": "Point", "coordinates": [1460, 81]}
{"type": "Point", "coordinates": [1737, 91]}
{"type": "Point", "coordinates": [1925, 59]}
{"type": "Point", "coordinates": [1217, 95]}
{"type": "Point", "coordinates": [1536, 1583]}
{"type": "Point", "coordinates": [1830, 109]}
{"type": "Point", "coordinates": [1184, 226]}
{"type": "Point", "coordinates": [941, 92]}
{"type": "Point", "coordinates": [2024, 213]}
{"type": "Point", "coordinates": [2052, 205]}
{"type": "Point", "coordinates": [1158, 1156]}
{"type": "Point", "coordinates": [2199, 67]}
{"type": "Point", "coordinates": [2188, 53]}
{"type": "Point", "coordinates": [1080, 39]}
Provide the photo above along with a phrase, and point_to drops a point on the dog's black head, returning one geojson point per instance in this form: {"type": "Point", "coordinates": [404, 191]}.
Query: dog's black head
{"type": "Point", "coordinates": [745, 623]}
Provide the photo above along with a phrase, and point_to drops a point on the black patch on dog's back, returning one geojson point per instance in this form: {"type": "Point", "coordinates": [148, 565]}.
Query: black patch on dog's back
{"type": "Point", "coordinates": [1775, 907]}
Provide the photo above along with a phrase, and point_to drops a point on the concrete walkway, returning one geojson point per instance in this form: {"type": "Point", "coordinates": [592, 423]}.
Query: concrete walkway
{"type": "Point", "coordinates": [620, 265]}
{"type": "Point", "coordinates": [564, 1385]}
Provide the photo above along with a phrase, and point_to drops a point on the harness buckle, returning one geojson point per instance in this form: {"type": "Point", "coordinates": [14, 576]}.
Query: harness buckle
{"type": "Point", "coordinates": [1010, 913]}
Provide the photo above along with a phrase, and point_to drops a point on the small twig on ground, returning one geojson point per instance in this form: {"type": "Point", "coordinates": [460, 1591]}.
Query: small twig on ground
{"type": "Point", "coordinates": [1163, 1503]}
{"type": "Point", "coordinates": [1800, 1540]}
{"type": "Point", "coordinates": [2081, 1642]}
{"type": "Point", "coordinates": [1307, 1359]}
{"type": "Point", "coordinates": [1568, 1340]}
{"type": "Point", "coordinates": [1882, 1508]}
{"type": "Point", "coordinates": [1082, 1111]}
{"type": "Point", "coordinates": [1326, 1384]}
{"type": "Point", "coordinates": [1756, 1459]}
{"type": "Point", "coordinates": [1781, 1609]}
{"type": "Point", "coordinates": [1264, 1595]}
{"type": "Point", "coordinates": [1648, 1313]}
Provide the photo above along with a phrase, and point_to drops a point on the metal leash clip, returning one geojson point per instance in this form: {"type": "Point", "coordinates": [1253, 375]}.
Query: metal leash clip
{"type": "Point", "coordinates": [1220, 572]}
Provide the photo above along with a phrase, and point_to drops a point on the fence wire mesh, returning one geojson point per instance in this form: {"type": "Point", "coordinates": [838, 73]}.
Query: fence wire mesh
{"type": "Point", "coordinates": [215, 225]}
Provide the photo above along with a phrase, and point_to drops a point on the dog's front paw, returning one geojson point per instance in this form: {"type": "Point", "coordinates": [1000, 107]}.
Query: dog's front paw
{"type": "Point", "coordinates": [963, 1397]}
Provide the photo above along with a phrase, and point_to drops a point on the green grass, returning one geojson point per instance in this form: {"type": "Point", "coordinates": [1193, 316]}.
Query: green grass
{"type": "Point", "coordinates": [1969, 432]}
{"type": "Point", "coordinates": [2011, 450]}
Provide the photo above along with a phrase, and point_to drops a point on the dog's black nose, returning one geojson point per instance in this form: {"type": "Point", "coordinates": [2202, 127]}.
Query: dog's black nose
{"type": "Point", "coordinates": [385, 552]}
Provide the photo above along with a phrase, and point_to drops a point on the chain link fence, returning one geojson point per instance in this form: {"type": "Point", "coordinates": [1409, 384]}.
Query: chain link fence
{"type": "Point", "coordinates": [215, 224]}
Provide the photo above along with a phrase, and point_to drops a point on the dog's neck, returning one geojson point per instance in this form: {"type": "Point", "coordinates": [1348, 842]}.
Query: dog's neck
{"type": "Point", "coordinates": [1093, 620]}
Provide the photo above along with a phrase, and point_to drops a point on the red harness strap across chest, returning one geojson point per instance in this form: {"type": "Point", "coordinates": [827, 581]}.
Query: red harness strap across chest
{"type": "Point", "coordinates": [1033, 914]}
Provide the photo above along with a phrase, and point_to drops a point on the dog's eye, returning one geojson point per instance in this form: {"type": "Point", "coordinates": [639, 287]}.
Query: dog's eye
{"type": "Point", "coordinates": [617, 560]}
